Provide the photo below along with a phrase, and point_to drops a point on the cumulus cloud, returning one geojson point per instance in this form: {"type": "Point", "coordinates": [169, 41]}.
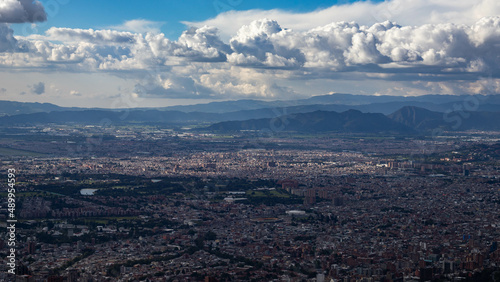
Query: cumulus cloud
{"type": "Point", "coordinates": [38, 88]}
{"type": "Point", "coordinates": [341, 46]}
{"type": "Point", "coordinates": [120, 50]}
{"type": "Point", "coordinates": [263, 56]}
{"type": "Point", "coordinates": [263, 43]}
{"type": "Point", "coordinates": [336, 47]}
{"type": "Point", "coordinates": [22, 11]}
{"type": "Point", "coordinates": [202, 44]}
{"type": "Point", "coordinates": [405, 12]}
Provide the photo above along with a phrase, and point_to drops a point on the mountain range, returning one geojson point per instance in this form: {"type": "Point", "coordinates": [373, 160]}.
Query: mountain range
{"type": "Point", "coordinates": [348, 101]}
{"type": "Point", "coordinates": [335, 112]}
{"type": "Point", "coordinates": [319, 121]}
{"type": "Point", "coordinates": [406, 120]}
{"type": "Point", "coordinates": [332, 102]}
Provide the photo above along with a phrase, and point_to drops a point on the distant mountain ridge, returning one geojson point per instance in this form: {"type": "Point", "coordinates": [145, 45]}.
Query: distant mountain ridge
{"type": "Point", "coordinates": [319, 121]}
{"type": "Point", "coordinates": [350, 100]}
{"type": "Point", "coordinates": [471, 112]}
{"type": "Point", "coordinates": [15, 108]}
{"type": "Point", "coordinates": [408, 119]}
{"type": "Point", "coordinates": [364, 103]}
{"type": "Point", "coordinates": [106, 116]}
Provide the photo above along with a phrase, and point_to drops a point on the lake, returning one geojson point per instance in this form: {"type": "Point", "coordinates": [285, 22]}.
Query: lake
{"type": "Point", "coordinates": [87, 191]}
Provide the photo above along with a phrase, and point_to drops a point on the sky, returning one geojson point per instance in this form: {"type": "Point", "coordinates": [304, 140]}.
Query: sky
{"type": "Point", "coordinates": [131, 53]}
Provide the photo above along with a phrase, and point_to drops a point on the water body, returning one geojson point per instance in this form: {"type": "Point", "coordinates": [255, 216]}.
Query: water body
{"type": "Point", "coordinates": [88, 192]}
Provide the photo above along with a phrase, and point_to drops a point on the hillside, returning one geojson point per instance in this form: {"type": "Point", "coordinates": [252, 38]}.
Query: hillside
{"type": "Point", "coordinates": [318, 121]}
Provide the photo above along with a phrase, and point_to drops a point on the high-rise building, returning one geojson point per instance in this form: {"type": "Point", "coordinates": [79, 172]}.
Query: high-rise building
{"type": "Point", "coordinates": [31, 248]}
{"type": "Point", "coordinates": [465, 170]}
{"type": "Point", "coordinates": [73, 275]}
{"type": "Point", "coordinates": [310, 197]}
{"type": "Point", "coordinates": [338, 201]}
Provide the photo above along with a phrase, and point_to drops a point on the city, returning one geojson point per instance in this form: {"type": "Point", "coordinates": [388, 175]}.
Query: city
{"type": "Point", "coordinates": [241, 207]}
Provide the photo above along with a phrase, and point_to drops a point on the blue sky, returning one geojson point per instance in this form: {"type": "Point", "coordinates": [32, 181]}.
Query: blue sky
{"type": "Point", "coordinates": [157, 53]}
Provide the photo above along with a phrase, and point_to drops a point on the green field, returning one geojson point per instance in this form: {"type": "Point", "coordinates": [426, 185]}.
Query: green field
{"type": "Point", "coordinates": [15, 152]}
{"type": "Point", "coordinates": [267, 193]}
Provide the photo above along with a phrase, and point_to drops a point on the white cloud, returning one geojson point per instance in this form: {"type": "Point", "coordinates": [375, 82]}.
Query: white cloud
{"type": "Point", "coordinates": [363, 50]}
{"type": "Point", "coordinates": [263, 43]}
{"type": "Point", "coordinates": [21, 11]}
{"type": "Point", "coordinates": [341, 46]}
{"type": "Point", "coordinates": [404, 12]}
{"type": "Point", "coordinates": [139, 26]}
{"type": "Point", "coordinates": [202, 44]}
{"type": "Point", "coordinates": [111, 50]}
